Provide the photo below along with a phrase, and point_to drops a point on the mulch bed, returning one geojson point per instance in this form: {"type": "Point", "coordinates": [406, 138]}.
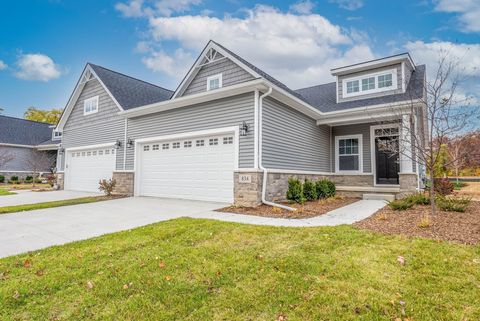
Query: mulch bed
{"type": "Point", "coordinates": [309, 209]}
{"type": "Point", "coordinates": [450, 226]}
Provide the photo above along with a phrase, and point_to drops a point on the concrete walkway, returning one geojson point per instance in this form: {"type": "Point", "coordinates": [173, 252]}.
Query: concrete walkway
{"type": "Point", "coordinates": [28, 197]}
{"type": "Point", "coordinates": [28, 231]}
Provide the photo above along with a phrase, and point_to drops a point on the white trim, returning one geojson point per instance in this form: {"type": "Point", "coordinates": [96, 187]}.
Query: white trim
{"type": "Point", "coordinates": [71, 149]}
{"type": "Point", "coordinates": [216, 131]}
{"type": "Point", "coordinates": [220, 81]}
{"type": "Point", "coordinates": [125, 145]}
{"type": "Point", "coordinates": [17, 145]}
{"type": "Point", "coordinates": [56, 137]}
{"type": "Point", "coordinates": [406, 159]}
{"type": "Point", "coordinates": [88, 101]}
{"type": "Point", "coordinates": [124, 171]}
{"type": "Point", "coordinates": [47, 147]}
{"type": "Point", "coordinates": [255, 129]}
{"type": "Point", "coordinates": [403, 76]}
{"type": "Point", "coordinates": [375, 90]}
{"type": "Point", "coordinates": [373, 148]}
{"type": "Point", "coordinates": [360, 154]}
{"type": "Point", "coordinates": [299, 172]}
{"type": "Point", "coordinates": [373, 63]}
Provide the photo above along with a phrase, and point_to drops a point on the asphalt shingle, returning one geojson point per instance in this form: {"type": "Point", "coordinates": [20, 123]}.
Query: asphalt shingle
{"type": "Point", "coordinates": [23, 132]}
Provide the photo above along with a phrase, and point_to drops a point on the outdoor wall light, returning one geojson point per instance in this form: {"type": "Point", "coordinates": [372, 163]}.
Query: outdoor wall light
{"type": "Point", "coordinates": [61, 150]}
{"type": "Point", "coordinates": [244, 129]}
{"type": "Point", "coordinates": [117, 145]}
{"type": "Point", "coordinates": [129, 142]}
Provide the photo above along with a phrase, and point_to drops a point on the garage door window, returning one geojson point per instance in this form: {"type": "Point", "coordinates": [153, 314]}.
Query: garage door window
{"type": "Point", "coordinates": [155, 147]}
{"type": "Point", "coordinates": [227, 140]}
{"type": "Point", "coordinates": [166, 146]}
{"type": "Point", "coordinates": [199, 143]}
{"type": "Point", "coordinates": [146, 148]}
{"type": "Point", "coordinates": [187, 144]}
{"type": "Point", "coordinates": [213, 141]}
{"type": "Point", "coordinates": [176, 145]}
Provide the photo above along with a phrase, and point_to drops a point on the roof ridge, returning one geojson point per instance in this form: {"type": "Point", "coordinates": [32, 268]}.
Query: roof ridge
{"type": "Point", "coordinates": [32, 121]}
{"type": "Point", "coordinates": [125, 75]}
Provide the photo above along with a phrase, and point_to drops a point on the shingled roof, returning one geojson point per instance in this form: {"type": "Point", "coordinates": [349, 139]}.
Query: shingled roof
{"type": "Point", "coordinates": [23, 132]}
{"type": "Point", "coordinates": [128, 91]}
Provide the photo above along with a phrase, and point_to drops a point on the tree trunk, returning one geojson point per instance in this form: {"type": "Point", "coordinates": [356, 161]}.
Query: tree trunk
{"type": "Point", "coordinates": [432, 192]}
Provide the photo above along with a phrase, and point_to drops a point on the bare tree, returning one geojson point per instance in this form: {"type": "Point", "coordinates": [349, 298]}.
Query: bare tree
{"type": "Point", "coordinates": [5, 157]}
{"type": "Point", "coordinates": [457, 153]}
{"type": "Point", "coordinates": [40, 161]}
{"type": "Point", "coordinates": [429, 121]}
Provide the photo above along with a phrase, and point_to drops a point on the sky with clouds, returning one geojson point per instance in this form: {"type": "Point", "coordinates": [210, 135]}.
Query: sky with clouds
{"type": "Point", "coordinates": [46, 43]}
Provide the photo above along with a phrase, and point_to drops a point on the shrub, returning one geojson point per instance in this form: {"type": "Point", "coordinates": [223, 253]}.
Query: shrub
{"type": "Point", "coordinates": [2, 179]}
{"type": "Point", "coordinates": [401, 205]}
{"type": "Point", "coordinates": [418, 199]}
{"type": "Point", "coordinates": [325, 188]}
{"type": "Point", "coordinates": [107, 186]}
{"type": "Point", "coordinates": [458, 185]}
{"type": "Point", "coordinates": [29, 178]}
{"type": "Point", "coordinates": [295, 191]}
{"type": "Point", "coordinates": [443, 186]}
{"type": "Point", "coordinates": [14, 178]}
{"type": "Point", "coordinates": [309, 190]}
{"type": "Point", "coordinates": [450, 204]}
{"type": "Point", "coordinates": [425, 222]}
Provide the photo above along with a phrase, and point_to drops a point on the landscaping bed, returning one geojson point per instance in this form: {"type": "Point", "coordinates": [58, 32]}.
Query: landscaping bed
{"type": "Point", "coordinates": [306, 210]}
{"type": "Point", "coordinates": [449, 226]}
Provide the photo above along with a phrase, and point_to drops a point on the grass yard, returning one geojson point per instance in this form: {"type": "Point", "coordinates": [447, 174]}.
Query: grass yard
{"type": "Point", "coordinates": [5, 192]}
{"type": "Point", "coordinates": [38, 206]}
{"type": "Point", "coordinates": [188, 269]}
{"type": "Point", "coordinates": [28, 186]}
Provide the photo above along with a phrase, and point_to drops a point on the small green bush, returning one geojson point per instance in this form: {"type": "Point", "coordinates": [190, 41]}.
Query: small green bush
{"type": "Point", "coordinates": [29, 178]}
{"type": "Point", "coordinates": [325, 188]}
{"type": "Point", "coordinates": [107, 186]}
{"type": "Point", "coordinates": [458, 185]}
{"type": "Point", "coordinates": [295, 191]}
{"type": "Point", "coordinates": [418, 199]}
{"type": "Point", "coordinates": [2, 179]}
{"type": "Point", "coordinates": [401, 205]}
{"type": "Point", "coordinates": [309, 190]}
{"type": "Point", "coordinates": [450, 204]}
{"type": "Point", "coordinates": [14, 178]}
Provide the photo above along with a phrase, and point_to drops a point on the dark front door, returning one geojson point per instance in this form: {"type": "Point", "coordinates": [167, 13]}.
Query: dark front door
{"type": "Point", "coordinates": [387, 162]}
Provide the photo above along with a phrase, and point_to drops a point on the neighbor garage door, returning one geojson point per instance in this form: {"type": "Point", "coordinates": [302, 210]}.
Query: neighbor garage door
{"type": "Point", "coordinates": [85, 168]}
{"type": "Point", "coordinates": [198, 168]}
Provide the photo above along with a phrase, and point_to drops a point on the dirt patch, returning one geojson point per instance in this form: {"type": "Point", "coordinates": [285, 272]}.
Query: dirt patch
{"type": "Point", "coordinates": [309, 209]}
{"type": "Point", "coordinates": [451, 226]}
{"type": "Point", "coordinates": [472, 189]}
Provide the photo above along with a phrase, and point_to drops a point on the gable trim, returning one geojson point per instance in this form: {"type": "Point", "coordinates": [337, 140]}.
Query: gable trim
{"type": "Point", "coordinates": [197, 65]}
{"type": "Point", "coordinates": [87, 71]}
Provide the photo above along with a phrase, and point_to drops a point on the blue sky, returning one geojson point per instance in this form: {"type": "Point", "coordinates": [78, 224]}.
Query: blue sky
{"type": "Point", "coordinates": [44, 44]}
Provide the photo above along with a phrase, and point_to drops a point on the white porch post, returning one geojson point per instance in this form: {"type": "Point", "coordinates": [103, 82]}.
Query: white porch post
{"type": "Point", "coordinates": [406, 146]}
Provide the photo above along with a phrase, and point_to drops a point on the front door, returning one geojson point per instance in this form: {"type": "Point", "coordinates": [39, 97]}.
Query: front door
{"type": "Point", "coordinates": [387, 162]}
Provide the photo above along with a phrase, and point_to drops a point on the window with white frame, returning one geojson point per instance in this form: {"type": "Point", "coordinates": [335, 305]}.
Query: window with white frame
{"type": "Point", "coordinates": [214, 82]}
{"type": "Point", "coordinates": [348, 153]}
{"type": "Point", "coordinates": [90, 106]}
{"type": "Point", "coordinates": [56, 135]}
{"type": "Point", "coordinates": [370, 83]}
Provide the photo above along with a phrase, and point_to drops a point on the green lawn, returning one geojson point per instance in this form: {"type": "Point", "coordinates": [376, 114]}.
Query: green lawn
{"type": "Point", "coordinates": [188, 269]}
{"type": "Point", "coordinates": [5, 192]}
{"type": "Point", "coordinates": [37, 206]}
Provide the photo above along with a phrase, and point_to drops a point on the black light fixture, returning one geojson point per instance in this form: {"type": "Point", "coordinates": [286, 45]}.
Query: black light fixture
{"type": "Point", "coordinates": [129, 142]}
{"type": "Point", "coordinates": [61, 150]}
{"type": "Point", "coordinates": [117, 145]}
{"type": "Point", "coordinates": [244, 129]}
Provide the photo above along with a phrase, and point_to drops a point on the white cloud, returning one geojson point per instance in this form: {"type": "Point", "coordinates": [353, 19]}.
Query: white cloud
{"type": "Point", "coordinates": [131, 9]}
{"type": "Point", "coordinates": [468, 12]}
{"type": "Point", "coordinates": [303, 7]}
{"type": "Point", "coordinates": [3, 65]}
{"type": "Point", "coordinates": [349, 4]}
{"type": "Point", "coordinates": [167, 7]}
{"type": "Point", "coordinates": [37, 67]}
{"type": "Point", "coordinates": [172, 65]}
{"type": "Point", "coordinates": [299, 50]}
{"type": "Point", "coordinates": [140, 8]}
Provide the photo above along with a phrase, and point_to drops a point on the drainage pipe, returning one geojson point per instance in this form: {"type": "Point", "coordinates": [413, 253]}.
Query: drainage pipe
{"type": "Point", "coordinates": [260, 158]}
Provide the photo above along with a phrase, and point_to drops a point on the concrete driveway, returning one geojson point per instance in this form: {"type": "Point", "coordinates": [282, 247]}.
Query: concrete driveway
{"type": "Point", "coordinates": [29, 197]}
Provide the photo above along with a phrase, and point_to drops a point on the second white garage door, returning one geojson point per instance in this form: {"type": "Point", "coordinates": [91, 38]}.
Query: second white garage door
{"type": "Point", "coordinates": [199, 168]}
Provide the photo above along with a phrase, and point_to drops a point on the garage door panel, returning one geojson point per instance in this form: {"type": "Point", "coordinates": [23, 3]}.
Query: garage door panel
{"type": "Point", "coordinates": [192, 172]}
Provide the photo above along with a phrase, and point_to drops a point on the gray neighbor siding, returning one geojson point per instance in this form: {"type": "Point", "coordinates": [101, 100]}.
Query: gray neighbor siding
{"type": "Point", "coordinates": [231, 74]}
{"type": "Point", "coordinates": [20, 155]}
{"type": "Point", "coordinates": [103, 127]}
{"type": "Point", "coordinates": [364, 130]}
{"type": "Point", "coordinates": [292, 140]}
{"type": "Point", "coordinates": [225, 112]}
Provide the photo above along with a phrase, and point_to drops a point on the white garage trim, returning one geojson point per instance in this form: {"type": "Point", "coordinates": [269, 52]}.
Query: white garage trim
{"type": "Point", "coordinates": [217, 131]}
{"type": "Point", "coordinates": [89, 147]}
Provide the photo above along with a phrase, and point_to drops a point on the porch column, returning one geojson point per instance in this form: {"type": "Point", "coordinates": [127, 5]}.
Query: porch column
{"type": "Point", "coordinates": [406, 146]}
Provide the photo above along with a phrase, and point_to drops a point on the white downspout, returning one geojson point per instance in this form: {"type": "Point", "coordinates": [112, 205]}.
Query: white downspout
{"type": "Point", "coordinates": [260, 158]}
{"type": "Point", "coordinates": [125, 145]}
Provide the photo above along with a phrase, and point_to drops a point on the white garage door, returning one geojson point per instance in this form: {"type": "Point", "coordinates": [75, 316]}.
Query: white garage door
{"type": "Point", "coordinates": [85, 168]}
{"type": "Point", "coordinates": [199, 168]}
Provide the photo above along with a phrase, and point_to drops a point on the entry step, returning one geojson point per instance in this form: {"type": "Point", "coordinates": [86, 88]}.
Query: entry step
{"type": "Point", "coordinates": [379, 197]}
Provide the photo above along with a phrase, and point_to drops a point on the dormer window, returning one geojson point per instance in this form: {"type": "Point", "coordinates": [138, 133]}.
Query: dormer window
{"type": "Point", "coordinates": [90, 106]}
{"type": "Point", "coordinates": [56, 135]}
{"type": "Point", "coordinates": [214, 82]}
{"type": "Point", "coordinates": [370, 83]}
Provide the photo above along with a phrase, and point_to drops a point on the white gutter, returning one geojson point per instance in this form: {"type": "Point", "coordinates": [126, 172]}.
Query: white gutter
{"type": "Point", "coordinates": [265, 172]}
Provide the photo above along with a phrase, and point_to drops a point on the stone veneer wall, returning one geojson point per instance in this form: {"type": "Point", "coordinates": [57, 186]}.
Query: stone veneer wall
{"type": "Point", "coordinates": [248, 193]}
{"type": "Point", "coordinates": [125, 183]}
{"type": "Point", "coordinates": [408, 182]}
{"type": "Point", "coordinates": [60, 180]}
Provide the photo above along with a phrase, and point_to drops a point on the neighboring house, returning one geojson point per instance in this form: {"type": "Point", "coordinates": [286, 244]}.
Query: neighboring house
{"type": "Point", "coordinates": [228, 123]}
{"type": "Point", "coordinates": [19, 140]}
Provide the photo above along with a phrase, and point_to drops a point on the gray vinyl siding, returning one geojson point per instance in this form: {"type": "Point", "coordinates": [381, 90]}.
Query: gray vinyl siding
{"type": "Point", "coordinates": [398, 90]}
{"type": "Point", "coordinates": [231, 74]}
{"type": "Point", "coordinates": [357, 129]}
{"type": "Point", "coordinates": [292, 140]}
{"type": "Point", "coordinates": [226, 112]}
{"type": "Point", "coordinates": [105, 126]}
{"type": "Point", "coordinates": [20, 155]}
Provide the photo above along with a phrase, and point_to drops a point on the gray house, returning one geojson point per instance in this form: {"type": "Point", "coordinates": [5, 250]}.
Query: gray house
{"type": "Point", "coordinates": [232, 133]}
{"type": "Point", "coordinates": [20, 141]}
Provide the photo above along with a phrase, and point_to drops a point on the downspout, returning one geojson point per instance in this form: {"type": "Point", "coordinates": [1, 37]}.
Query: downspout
{"type": "Point", "coordinates": [125, 145]}
{"type": "Point", "coordinates": [260, 158]}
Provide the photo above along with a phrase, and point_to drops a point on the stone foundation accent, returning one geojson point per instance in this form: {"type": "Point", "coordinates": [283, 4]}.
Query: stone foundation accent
{"type": "Point", "coordinates": [125, 183]}
{"type": "Point", "coordinates": [60, 180]}
{"type": "Point", "coordinates": [248, 193]}
{"type": "Point", "coordinates": [408, 182]}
